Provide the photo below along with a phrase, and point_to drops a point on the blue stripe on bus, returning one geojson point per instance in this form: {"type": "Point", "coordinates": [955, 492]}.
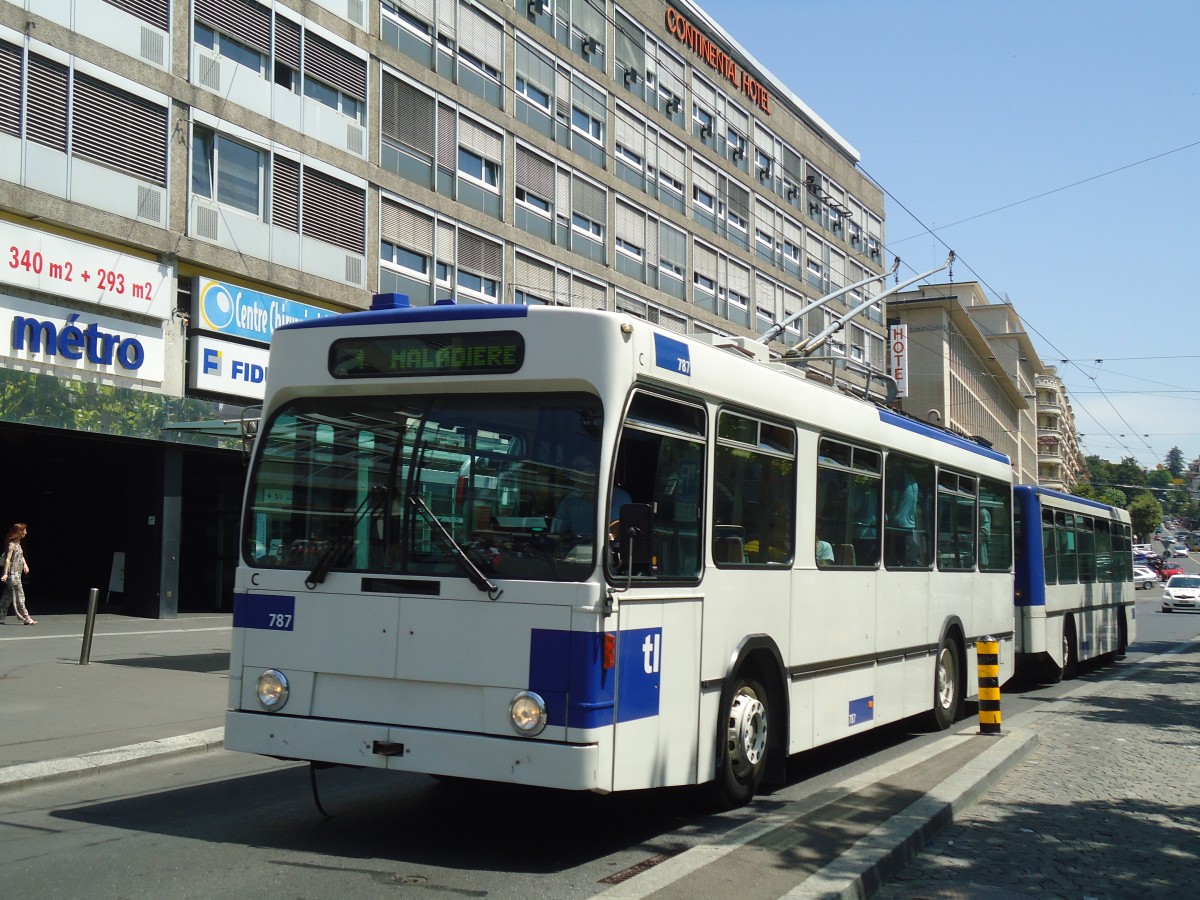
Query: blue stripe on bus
{"type": "Point", "coordinates": [271, 612]}
{"type": "Point", "coordinates": [1059, 495]}
{"type": "Point", "coordinates": [403, 315]}
{"type": "Point", "coordinates": [946, 437]}
{"type": "Point", "coordinates": [1029, 573]}
{"type": "Point", "coordinates": [862, 710]}
{"type": "Point", "coordinates": [672, 355]}
{"type": "Point", "coordinates": [566, 668]}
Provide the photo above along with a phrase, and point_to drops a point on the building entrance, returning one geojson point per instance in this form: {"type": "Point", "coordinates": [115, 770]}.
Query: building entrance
{"type": "Point", "coordinates": [86, 497]}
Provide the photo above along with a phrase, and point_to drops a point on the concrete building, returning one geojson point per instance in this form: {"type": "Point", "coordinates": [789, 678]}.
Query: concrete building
{"type": "Point", "coordinates": [179, 177]}
{"type": "Point", "coordinates": [971, 367]}
{"type": "Point", "coordinates": [1060, 458]}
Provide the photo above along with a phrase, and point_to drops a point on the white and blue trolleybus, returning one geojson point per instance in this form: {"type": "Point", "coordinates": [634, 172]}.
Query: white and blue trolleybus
{"type": "Point", "coordinates": [1075, 593]}
{"type": "Point", "coordinates": [568, 548]}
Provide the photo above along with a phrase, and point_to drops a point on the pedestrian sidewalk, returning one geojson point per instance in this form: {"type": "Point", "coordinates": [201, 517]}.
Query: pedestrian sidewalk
{"type": "Point", "coordinates": [1107, 805]}
{"type": "Point", "coordinates": [152, 687]}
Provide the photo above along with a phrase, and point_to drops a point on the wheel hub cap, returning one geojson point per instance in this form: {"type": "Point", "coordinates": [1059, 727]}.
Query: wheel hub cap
{"type": "Point", "coordinates": [747, 734]}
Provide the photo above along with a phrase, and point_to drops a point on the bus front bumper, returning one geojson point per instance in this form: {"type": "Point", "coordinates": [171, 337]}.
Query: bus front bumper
{"type": "Point", "coordinates": [432, 752]}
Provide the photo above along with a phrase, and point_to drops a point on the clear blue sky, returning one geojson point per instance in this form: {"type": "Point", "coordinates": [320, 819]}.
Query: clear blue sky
{"type": "Point", "coordinates": [993, 113]}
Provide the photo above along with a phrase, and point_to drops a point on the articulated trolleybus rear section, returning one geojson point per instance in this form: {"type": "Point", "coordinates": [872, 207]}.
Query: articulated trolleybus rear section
{"type": "Point", "coordinates": [1075, 595]}
{"type": "Point", "coordinates": [565, 548]}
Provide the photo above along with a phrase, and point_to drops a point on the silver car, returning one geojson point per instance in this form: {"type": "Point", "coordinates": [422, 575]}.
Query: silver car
{"type": "Point", "coordinates": [1181, 592]}
{"type": "Point", "coordinates": [1144, 577]}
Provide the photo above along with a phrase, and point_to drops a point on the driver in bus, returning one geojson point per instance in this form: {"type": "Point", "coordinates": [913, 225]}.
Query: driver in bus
{"type": "Point", "coordinates": [576, 514]}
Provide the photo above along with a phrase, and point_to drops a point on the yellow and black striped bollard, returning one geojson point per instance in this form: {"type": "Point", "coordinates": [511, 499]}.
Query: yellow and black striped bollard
{"type": "Point", "coordinates": [987, 654]}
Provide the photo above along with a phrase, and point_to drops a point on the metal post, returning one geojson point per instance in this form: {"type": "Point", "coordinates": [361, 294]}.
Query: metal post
{"type": "Point", "coordinates": [987, 658]}
{"type": "Point", "coordinates": [85, 654]}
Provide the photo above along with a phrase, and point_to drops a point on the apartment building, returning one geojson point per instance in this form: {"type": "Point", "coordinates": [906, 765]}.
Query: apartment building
{"type": "Point", "coordinates": [1060, 459]}
{"type": "Point", "coordinates": [180, 177]}
{"type": "Point", "coordinates": [971, 367]}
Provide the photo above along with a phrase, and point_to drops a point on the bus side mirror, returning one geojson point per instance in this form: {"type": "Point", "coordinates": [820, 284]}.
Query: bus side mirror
{"type": "Point", "coordinates": [637, 535]}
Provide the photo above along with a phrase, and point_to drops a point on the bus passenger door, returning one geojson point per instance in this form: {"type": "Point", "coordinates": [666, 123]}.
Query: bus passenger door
{"type": "Point", "coordinates": [657, 697]}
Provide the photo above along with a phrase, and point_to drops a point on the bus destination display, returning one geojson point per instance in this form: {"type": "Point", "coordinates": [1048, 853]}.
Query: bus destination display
{"type": "Point", "coordinates": [399, 356]}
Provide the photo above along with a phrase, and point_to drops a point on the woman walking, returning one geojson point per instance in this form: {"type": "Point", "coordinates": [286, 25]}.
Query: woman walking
{"type": "Point", "coordinates": [15, 569]}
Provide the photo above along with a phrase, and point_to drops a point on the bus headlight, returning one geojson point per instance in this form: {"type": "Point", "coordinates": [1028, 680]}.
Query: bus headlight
{"type": "Point", "coordinates": [528, 713]}
{"type": "Point", "coordinates": [272, 690]}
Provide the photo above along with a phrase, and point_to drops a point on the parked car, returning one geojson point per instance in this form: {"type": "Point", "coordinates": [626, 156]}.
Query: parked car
{"type": "Point", "coordinates": [1142, 548]}
{"type": "Point", "coordinates": [1144, 577]}
{"type": "Point", "coordinates": [1170, 569]}
{"type": "Point", "coordinates": [1181, 592]}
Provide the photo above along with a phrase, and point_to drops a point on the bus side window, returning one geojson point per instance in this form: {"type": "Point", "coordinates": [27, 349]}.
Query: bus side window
{"type": "Point", "coordinates": [664, 467]}
{"type": "Point", "coordinates": [755, 511]}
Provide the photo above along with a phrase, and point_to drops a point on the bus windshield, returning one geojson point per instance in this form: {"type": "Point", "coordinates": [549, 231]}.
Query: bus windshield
{"type": "Point", "coordinates": [511, 478]}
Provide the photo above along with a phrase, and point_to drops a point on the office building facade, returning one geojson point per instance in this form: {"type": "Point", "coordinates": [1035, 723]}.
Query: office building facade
{"type": "Point", "coordinates": [180, 177]}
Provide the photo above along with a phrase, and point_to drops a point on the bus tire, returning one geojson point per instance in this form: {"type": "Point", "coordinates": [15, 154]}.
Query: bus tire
{"type": "Point", "coordinates": [1070, 657]}
{"type": "Point", "coordinates": [742, 734]}
{"type": "Point", "coordinates": [947, 684]}
{"type": "Point", "coordinates": [1122, 636]}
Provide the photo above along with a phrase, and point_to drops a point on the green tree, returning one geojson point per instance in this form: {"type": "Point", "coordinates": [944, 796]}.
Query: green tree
{"type": "Point", "coordinates": [1128, 473]}
{"type": "Point", "coordinates": [1175, 463]}
{"type": "Point", "coordinates": [1145, 513]}
{"type": "Point", "coordinates": [1110, 495]}
{"type": "Point", "coordinates": [1099, 470]}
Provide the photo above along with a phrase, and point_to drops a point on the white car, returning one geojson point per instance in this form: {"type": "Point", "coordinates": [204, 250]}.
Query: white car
{"type": "Point", "coordinates": [1144, 577]}
{"type": "Point", "coordinates": [1181, 592]}
{"type": "Point", "coordinates": [1180, 550]}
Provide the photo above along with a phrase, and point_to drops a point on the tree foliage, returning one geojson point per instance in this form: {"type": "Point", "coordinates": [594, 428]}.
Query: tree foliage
{"type": "Point", "coordinates": [1174, 461]}
{"type": "Point", "coordinates": [1145, 513]}
{"type": "Point", "coordinates": [1110, 495]}
{"type": "Point", "coordinates": [1128, 473]}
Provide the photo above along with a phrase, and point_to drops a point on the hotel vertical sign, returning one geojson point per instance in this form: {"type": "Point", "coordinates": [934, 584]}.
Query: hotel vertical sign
{"type": "Point", "coordinates": [898, 357]}
{"type": "Point", "coordinates": [717, 59]}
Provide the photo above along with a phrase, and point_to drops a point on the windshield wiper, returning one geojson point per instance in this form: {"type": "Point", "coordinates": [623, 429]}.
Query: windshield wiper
{"type": "Point", "coordinates": [473, 571]}
{"type": "Point", "coordinates": [344, 541]}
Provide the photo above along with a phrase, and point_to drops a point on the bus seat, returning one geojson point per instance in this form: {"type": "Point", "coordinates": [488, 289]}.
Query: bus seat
{"type": "Point", "coordinates": [843, 555]}
{"type": "Point", "coordinates": [729, 550]}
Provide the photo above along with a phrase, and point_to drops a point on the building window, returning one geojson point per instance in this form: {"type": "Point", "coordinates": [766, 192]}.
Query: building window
{"type": "Point", "coordinates": [486, 288]}
{"type": "Point", "coordinates": [586, 124]}
{"type": "Point", "coordinates": [524, 196]}
{"type": "Point", "coordinates": [226, 171]}
{"type": "Point", "coordinates": [629, 157]}
{"type": "Point", "coordinates": [472, 165]}
{"type": "Point", "coordinates": [737, 145]}
{"type": "Point", "coordinates": [348, 106]}
{"type": "Point", "coordinates": [534, 94]}
{"type": "Point", "coordinates": [230, 48]}
{"type": "Point", "coordinates": [403, 258]}
{"type": "Point", "coordinates": [587, 226]}
{"type": "Point", "coordinates": [629, 249]}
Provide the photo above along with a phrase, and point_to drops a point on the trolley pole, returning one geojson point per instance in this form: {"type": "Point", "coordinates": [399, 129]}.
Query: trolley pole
{"type": "Point", "coordinates": [85, 653]}
{"type": "Point", "coordinates": [987, 655]}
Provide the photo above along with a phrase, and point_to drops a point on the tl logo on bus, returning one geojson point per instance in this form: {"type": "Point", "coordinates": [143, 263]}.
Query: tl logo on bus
{"type": "Point", "coordinates": [239, 369]}
{"type": "Point", "coordinates": [651, 648]}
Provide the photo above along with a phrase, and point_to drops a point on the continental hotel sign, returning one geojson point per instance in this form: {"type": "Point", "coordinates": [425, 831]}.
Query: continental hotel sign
{"type": "Point", "coordinates": [718, 60]}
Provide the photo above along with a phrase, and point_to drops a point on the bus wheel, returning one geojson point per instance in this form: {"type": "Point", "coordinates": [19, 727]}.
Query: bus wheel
{"type": "Point", "coordinates": [1070, 657]}
{"type": "Point", "coordinates": [947, 685]}
{"type": "Point", "coordinates": [743, 736]}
